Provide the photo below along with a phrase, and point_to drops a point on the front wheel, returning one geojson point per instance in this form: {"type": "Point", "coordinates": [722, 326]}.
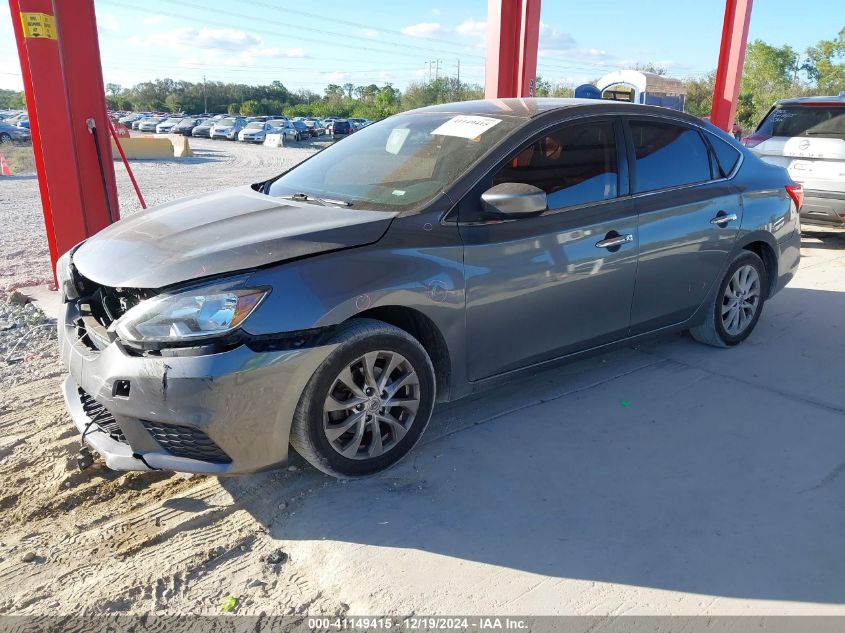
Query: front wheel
{"type": "Point", "coordinates": [369, 402]}
{"type": "Point", "coordinates": [5, 138]}
{"type": "Point", "coordinates": [738, 303]}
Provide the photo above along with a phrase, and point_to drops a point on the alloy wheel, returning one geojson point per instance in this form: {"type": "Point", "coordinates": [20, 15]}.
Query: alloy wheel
{"type": "Point", "coordinates": [741, 300]}
{"type": "Point", "coordinates": [5, 138]}
{"type": "Point", "coordinates": [371, 405]}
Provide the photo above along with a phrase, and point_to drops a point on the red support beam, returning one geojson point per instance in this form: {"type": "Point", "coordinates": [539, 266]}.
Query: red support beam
{"type": "Point", "coordinates": [731, 59]}
{"type": "Point", "coordinates": [63, 84]}
{"type": "Point", "coordinates": [513, 33]}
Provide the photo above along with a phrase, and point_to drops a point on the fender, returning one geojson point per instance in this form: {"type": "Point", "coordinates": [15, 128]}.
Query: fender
{"type": "Point", "coordinates": [417, 266]}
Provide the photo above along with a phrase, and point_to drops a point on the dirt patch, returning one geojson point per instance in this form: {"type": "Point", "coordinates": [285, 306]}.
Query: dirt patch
{"type": "Point", "coordinates": [19, 158]}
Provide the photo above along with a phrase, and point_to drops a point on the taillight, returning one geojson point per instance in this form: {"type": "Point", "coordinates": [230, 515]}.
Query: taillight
{"type": "Point", "coordinates": [755, 139]}
{"type": "Point", "coordinates": [796, 192]}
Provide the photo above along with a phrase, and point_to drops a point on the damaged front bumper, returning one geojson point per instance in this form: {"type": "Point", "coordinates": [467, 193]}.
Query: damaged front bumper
{"type": "Point", "coordinates": [222, 413]}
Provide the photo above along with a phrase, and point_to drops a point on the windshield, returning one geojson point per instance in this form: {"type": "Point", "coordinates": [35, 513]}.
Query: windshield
{"type": "Point", "coordinates": [229, 121]}
{"type": "Point", "coordinates": [809, 120]}
{"type": "Point", "coordinates": [399, 163]}
{"type": "Point", "coordinates": [255, 125]}
{"type": "Point", "coordinates": [277, 122]}
{"type": "Point", "coordinates": [173, 120]}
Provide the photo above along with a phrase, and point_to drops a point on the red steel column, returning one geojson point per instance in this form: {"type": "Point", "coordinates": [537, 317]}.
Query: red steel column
{"type": "Point", "coordinates": [513, 33]}
{"type": "Point", "coordinates": [731, 59]}
{"type": "Point", "coordinates": [63, 83]}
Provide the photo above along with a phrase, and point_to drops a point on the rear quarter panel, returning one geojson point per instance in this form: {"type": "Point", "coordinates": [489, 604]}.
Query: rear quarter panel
{"type": "Point", "coordinates": [769, 214]}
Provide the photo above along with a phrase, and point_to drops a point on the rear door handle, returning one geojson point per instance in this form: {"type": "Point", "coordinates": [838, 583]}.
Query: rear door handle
{"type": "Point", "coordinates": [610, 242]}
{"type": "Point", "coordinates": [723, 219]}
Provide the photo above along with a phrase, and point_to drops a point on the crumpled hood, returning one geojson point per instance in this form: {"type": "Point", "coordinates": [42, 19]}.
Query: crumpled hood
{"type": "Point", "coordinates": [227, 231]}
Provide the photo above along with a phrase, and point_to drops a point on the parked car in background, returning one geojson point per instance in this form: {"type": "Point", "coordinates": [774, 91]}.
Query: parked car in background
{"type": "Point", "coordinates": [128, 119]}
{"type": "Point", "coordinates": [340, 128]}
{"type": "Point", "coordinates": [186, 125]}
{"type": "Point", "coordinates": [166, 126]}
{"type": "Point", "coordinates": [10, 133]}
{"type": "Point", "coordinates": [149, 124]}
{"type": "Point", "coordinates": [806, 136]}
{"type": "Point", "coordinates": [202, 335]}
{"type": "Point", "coordinates": [228, 128]}
{"type": "Point", "coordinates": [255, 132]}
{"type": "Point", "coordinates": [203, 129]}
{"type": "Point", "coordinates": [302, 130]}
{"type": "Point", "coordinates": [315, 127]}
{"type": "Point", "coordinates": [360, 123]}
{"type": "Point", "coordinates": [286, 128]}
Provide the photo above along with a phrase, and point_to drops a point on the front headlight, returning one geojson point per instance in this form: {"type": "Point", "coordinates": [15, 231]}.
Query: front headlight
{"type": "Point", "coordinates": [193, 314]}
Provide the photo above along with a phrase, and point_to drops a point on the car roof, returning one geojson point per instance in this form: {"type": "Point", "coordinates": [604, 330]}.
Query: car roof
{"type": "Point", "coordinates": [810, 100]}
{"type": "Point", "coordinates": [532, 107]}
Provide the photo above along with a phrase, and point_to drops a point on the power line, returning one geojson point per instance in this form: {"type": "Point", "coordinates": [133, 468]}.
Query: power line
{"type": "Point", "coordinates": [563, 65]}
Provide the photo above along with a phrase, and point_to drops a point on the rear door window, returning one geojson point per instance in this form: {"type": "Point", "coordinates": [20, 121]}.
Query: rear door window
{"type": "Point", "coordinates": [668, 155]}
{"type": "Point", "coordinates": [805, 120]}
{"type": "Point", "coordinates": [727, 156]}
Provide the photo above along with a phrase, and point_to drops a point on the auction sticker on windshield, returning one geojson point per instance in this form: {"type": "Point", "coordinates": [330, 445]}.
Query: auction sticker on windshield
{"type": "Point", "coordinates": [467, 126]}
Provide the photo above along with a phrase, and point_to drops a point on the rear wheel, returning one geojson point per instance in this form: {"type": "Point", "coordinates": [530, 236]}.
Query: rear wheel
{"type": "Point", "coordinates": [738, 303]}
{"type": "Point", "coordinates": [5, 138]}
{"type": "Point", "coordinates": [368, 404]}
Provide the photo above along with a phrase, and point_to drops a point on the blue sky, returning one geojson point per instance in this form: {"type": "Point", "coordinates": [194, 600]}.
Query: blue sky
{"type": "Point", "coordinates": [308, 45]}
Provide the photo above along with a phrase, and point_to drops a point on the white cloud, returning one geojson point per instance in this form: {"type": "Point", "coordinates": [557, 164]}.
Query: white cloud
{"type": "Point", "coordinates": [472, 27]}
{"type": "Point", "coordinates": [423, 29]}
{"type": "Point", "coordinates": [369, 33]}
{"type": "Point", "coordinates": [107, 22]}
{"type": "Point", "coordinates": [225, 47]}
{"type": "Point", "coordinates": [552, 40]}
{"type": "Point", "coordinates": [339, 76]}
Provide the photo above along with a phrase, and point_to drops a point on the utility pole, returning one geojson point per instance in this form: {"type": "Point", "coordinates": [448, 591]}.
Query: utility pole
{"type": "Point", "coordinates": [459, 79]}
{"type": "Point", "coordinates": [204, 95]}
{"type": "Point", "coordinates": [437, 68]}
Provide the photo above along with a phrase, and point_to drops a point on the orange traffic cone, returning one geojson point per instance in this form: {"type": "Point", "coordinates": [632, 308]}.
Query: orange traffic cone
{"type": "Point", "coordinates": [4, 167]}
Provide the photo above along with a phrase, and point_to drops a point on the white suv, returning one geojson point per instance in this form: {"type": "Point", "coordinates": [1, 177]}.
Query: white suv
{"type": "Point", "coordinates": [807, 136]}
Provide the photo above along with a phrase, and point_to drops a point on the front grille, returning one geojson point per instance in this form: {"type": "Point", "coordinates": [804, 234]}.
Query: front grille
{"type": "Point", "coordinates": [100, 417]}
{"type": "Point", "coordinates": [186, 441]}
{"type": "Point", "coordinates": [99, 307]}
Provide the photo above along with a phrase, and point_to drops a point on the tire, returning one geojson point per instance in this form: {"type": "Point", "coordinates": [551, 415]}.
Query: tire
{"type": "Point", "coordinates": [726, 326]}
{"type": "Point", "coordinates": [340, 440]}
{"type": "Point", "coordinates": [5, 138]}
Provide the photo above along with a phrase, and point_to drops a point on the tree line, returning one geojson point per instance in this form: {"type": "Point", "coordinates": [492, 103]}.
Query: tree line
{"type": "Point", "coordinates": [770, 73]}
{"type": "Point", "coordinates": [369, 101]}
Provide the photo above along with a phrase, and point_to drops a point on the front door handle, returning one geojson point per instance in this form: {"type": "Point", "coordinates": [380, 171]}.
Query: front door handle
{"type": "Point", "coordinates": [619, 240]}
{"type": "Point", "coordinates": [723, 219]}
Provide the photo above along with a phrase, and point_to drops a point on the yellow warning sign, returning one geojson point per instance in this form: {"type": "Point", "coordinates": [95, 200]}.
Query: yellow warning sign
{"type": "Point", "coordinates": [39, 25]}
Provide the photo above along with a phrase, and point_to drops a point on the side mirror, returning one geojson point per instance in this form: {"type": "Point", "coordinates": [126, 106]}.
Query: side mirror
{"type": "Point", "coordinates": [514, 199]}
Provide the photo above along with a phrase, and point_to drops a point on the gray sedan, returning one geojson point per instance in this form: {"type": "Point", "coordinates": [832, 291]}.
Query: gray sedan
{"type": "Point", "coordinates": [429, 256]}
{"type": "Point", "coordinates": [9, 133]}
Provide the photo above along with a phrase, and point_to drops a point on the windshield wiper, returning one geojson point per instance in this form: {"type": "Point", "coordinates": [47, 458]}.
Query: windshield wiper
{"type": "Point", "coordinates": [304, 197]}
{"type": "Point", "coordinates": [830, 133]}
